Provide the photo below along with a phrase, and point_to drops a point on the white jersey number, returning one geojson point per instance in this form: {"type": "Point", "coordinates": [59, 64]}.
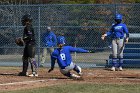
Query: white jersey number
{"type": "Point", "coordinates": [63, 57]}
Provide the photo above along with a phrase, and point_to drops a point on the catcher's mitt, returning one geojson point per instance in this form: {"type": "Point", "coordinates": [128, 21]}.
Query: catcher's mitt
{"type": "Point", "coordinates": [19, 41]}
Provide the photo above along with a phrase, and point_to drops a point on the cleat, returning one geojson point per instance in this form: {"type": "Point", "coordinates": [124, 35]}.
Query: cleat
{"type": "Point", "coordinates": [33, 75]}
{"type": "Point", "coordinates": [120, 69]}
{"type": "Point", "coordinates": [74, 76]}
{"type": "Point", "coordinates": [36, 75]}
{"type": "Point", "coordinates": [112, 69]}
{"type": "Point", "coordinates": [22, 74]}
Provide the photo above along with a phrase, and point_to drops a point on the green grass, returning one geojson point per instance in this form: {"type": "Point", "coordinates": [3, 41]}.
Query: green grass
{"type": "Point", "coordinates": [84, 88]}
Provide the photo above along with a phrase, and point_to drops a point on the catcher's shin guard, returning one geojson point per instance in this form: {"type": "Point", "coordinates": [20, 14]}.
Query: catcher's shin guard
{"type": "Point", "coordinates": [33, 65]}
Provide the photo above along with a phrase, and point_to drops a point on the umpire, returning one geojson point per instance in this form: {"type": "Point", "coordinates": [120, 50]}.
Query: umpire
{"type": "Point", "coordinates": [117, 32]}
{"type": "Point", "coordinates": [29, 50]}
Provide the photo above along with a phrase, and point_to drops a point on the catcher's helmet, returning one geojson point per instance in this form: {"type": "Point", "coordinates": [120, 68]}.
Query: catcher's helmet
{"type": "Point", "coordinates": [26, 18]}
{"type": "Point", "coordinates": [118, 16]}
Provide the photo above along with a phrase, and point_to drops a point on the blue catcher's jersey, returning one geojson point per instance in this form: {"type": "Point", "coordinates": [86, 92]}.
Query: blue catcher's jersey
{"type": "Point", "coordinates": [118, 31]}
{"type": "Point", "coordinates": [63, 56]}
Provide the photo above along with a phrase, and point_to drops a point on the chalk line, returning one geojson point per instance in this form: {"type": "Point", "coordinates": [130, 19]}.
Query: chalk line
{"type": "Point", "coordinates": [23, 82]}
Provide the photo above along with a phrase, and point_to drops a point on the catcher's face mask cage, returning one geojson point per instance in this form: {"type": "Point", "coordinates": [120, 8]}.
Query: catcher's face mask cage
{"type": "Point", "coordinates": [26, 18]}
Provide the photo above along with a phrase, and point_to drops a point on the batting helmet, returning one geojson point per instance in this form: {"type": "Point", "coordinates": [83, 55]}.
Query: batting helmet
{"type": "Point", "coordinates": [118, 16]}
{"type": "Point", "coordinates": [26, 18]}
{"type": "Point", "coordinates": [60, 40]}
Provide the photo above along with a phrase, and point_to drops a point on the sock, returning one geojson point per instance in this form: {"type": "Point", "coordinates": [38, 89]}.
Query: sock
{"type": "Point", "coordinates": [77, 69]}
{"type": "Point", "coordinates": [114, 62]}
{"type": "Point", "coordinates": [120, 62]}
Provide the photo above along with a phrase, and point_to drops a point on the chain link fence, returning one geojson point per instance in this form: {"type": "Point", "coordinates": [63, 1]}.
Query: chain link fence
{"type": "Point", "coordinates": [81, 24]}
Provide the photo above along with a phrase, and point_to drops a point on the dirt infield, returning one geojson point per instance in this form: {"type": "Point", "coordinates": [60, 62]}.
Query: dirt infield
{"type": "Point", "coordinates": [10, 81]}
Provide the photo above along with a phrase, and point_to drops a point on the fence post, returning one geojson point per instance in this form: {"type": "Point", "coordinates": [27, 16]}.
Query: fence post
{"type": "Point", "coordinates": [38, 36]}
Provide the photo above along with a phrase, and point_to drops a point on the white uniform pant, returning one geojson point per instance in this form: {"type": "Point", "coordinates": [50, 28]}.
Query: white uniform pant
{"type": "Point", "coordinates": [68, 68]}
{"type": "Point", "coordinates": [117, 48]}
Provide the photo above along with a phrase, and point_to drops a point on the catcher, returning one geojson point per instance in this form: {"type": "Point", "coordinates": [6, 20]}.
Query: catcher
{"type": "Point", "coordinates": [28, 41]}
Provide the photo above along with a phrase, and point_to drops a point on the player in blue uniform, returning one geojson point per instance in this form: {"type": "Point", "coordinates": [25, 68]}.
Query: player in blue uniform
{"type": "Point", "coordinates": [117, 33]}
{"type": "Point", "coordinates": [50, 42]}
{"type": "Point", "coordinates": [64, 59]}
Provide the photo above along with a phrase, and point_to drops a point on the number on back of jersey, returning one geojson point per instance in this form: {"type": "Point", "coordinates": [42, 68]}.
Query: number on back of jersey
{"type": "Point", "coordinates": [63, 57]}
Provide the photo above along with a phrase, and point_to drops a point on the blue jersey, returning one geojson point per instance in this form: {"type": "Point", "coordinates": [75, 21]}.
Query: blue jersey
{"type": "Point", "coordinates": [63, 56]}
{"type": "Point", "coordinates": [118, 31]}
{"type": "Point", "coordinates": [50, 39]}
